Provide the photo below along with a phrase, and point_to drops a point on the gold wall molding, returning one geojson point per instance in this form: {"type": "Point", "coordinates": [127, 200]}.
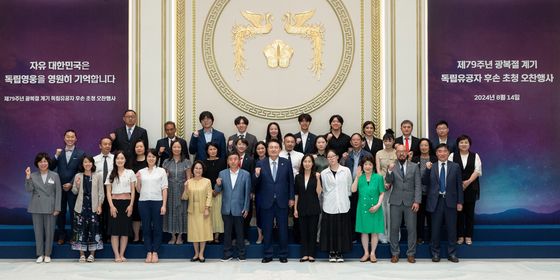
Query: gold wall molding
{"type": "Point", "coordinates": [375, 64]}
{"type": "Point", "coordinates": [180, 66]}
{"type": "Point", "coordinates": [246, 106]}
{"type": "Point", "coordinates": [163, 63]}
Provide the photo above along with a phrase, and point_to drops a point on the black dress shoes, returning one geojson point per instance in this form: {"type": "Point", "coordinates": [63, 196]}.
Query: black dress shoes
{"type": "Point", "coordinates": [453, 258]}
{"type": "Point", "coordinates": [266, 260]}
{"type": "Point", "coordinates": [436, 258]}
{"type": "Point", "coordinates": [283, 260]}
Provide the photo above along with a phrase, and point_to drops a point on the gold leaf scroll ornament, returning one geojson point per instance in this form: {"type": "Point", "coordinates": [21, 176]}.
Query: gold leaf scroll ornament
{"type": "Point", "coordinates": [295, 24]}
{"type": "Point", "coordinates": [260, 24]}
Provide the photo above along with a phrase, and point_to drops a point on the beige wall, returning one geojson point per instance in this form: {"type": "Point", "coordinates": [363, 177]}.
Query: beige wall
{"type": "Point", "coordinates": [386, 73]}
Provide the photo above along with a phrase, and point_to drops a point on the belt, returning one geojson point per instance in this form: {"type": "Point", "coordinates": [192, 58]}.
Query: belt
{"type": "Point", "coordinates": [442, 195]}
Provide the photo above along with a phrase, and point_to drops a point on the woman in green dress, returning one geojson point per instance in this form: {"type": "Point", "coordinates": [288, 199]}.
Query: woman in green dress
{"type": "Point", "coordinates": [369, 214]}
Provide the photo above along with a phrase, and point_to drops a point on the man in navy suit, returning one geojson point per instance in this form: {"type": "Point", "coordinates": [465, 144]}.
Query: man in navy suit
{"type": "Point", "coordinates": [235, 185]}
{"type": "Point", "coordinates": [305, 140]}
{"type": "Point", "coordinates": [66, 165]}
{"type": "Point", "coordinates": [275, 194]}
{"type": "Point", "coordinates": [163, 146]}
{"type": "Point", "coordinates": [126, 136]}
{"type": "Point", "coordinates": [445, 198]}
{"type": "Point", "coordinates": [442, 136]}
{"type": "Point", "coordinates": [207, 134]}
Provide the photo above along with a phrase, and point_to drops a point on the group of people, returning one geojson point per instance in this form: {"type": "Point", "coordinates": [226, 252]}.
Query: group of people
{"type": "Point", "coordinates": [334, 188]}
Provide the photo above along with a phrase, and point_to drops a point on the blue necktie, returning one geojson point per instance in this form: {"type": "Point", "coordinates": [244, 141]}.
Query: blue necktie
{"type": "Point", "coordinates": [442, 178]}
{"type": "Point", "coordinates": [274, 170]}
{"type": "Point", "coordinates": [129, 133]}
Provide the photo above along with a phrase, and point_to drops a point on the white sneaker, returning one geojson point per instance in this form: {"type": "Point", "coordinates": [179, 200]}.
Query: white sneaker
{"type": "Point", "coordinates": [47, 259]}
{"type": "Point", "coordinates": [39, 259]}
{"type": "Point", "coordinates": [340, 259]}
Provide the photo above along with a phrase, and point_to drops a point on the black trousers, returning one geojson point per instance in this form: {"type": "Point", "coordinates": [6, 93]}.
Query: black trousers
{"type": "Point", "coordinates": [441, 213]}
{"type": "Point", "coordinates": [423, 217]}
{"type": "Point", "coordinates": [308, 226]}
{"type": "Point", "coordinates": [233, 224]}
{"type": "Point", "coordinates": [465, 220]}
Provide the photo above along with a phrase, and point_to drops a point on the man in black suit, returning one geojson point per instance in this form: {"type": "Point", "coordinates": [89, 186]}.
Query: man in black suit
{"type": "Point", "coordinates": [241, 124]}
{"type": "Point", "coordinates": [442, 136]}
{"type": "Point", "coordinates": [410, 142]}
{"type": "Point", "coordinates": [445, 198]}
{"type": "Point", "coordinates": [275, 195]}
{"type": "Point", "coordinates": [124, 137]}
{"type": "Point", "coordinates": [305, 140]}
{"type": "Point", "coordinates": [163, 146]}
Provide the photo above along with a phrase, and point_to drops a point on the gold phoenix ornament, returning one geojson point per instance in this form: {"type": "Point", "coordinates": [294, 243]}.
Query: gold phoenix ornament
{"type": "Point", "coordinates": [295, 24]}
{"type": "Point", "coordinates": [278, 54]}
{"type": "Point", "coordinates": [260, 24]}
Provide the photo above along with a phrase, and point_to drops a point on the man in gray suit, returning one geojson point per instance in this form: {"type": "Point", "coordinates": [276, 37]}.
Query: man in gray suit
{"type": "Point", "coordinates": [405, 199]}
{"type": "Point", "coordinates": [235, 185]}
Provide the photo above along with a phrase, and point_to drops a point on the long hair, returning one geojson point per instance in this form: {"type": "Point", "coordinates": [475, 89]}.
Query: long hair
{"type": "Point", "coordinates": [115, 172]}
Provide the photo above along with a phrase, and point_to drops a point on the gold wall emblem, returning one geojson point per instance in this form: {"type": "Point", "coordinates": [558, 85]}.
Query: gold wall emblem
{"type": "Point", "coordinates": [260, 24]}
{"type": "Point", "coordinates": [278, 54]}
{"type": "Point", "coordinates": [295, 24]}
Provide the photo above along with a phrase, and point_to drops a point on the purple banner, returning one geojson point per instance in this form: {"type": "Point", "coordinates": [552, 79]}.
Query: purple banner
{"type": "Point", "coordinates": [493, 75]}
{"type": "Point", "coordinates": [63, 65]}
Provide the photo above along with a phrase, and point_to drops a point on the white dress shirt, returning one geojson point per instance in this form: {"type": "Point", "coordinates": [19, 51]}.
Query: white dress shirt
{"type": "Point", "coordinates": [99, 159]}
{"type": "Point", "coordinates": [295, 158]}
{"type": "Point", "coordinates": [233, 176]}
{"type": "Point", "coordinates": [304, 136]}
{"type": "Point", "coordinates": [153, 182]}
{"type": "Point", "coordinates": [336, 190]}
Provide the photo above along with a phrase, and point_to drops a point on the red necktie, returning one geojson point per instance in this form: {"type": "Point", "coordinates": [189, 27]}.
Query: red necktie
{"type": "Point", "coordinates": [406, 145]}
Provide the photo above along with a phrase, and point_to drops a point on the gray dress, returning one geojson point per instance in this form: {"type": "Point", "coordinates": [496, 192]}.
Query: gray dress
{"type": "Point", "coordinates": [175, 220]}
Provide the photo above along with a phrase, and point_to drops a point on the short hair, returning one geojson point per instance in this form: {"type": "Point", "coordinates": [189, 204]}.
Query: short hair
{"type": "Point", "coordinates": [239, 119]}
{"type": "Point", "coordinates": [81, 167]}
{"type": "Point", "coordinates": [129, 110]}
{"type": "Point", "coordinates": [304, 117]}
{"type": "Point", "coordinates": [366, 159]}
{"type": "Point", "coordinates": [242, 140]}
{"type": "Point", "coordinates": [407, 122]}
{"type": "Point", "coordinates": [366, 123]}
{"type": "Point", "coordinates": [313, 166]}
{"type": "Point", "coordinates": [201, 164]}
{"type": "Point", "coordinates": [169, 123]}
{"type": "Point", "coordinates": [290, 135]}
{"type": "Point", "coordinates": [40, 156]}
{"type": "Point", "coordinates": [338, 117]}
{"type": "Point", "coordinates": [273, 141]}
{"type": "Point", "coordinates": [430, 148]}
{"type": "Point", "coordinates": [136, 143]}
{"type": "Point", "coordinates": [70, 130]}
{"type": "Point", "coordinates": [212, 144]}
{"type": "Point", "coordinates": [357, 134]}
{"type": "Point", "coordinates": [442, 122]}
{"type": "Point", "coordinates": [232, 154]}
{"type": "Point", "coordinates": [442, 145]}
{"type": "Point", "coordinates": [464, 137]}
{"type": "Point", "coordinates": [154, 152]}
{"type": "Point", "coordinates": [105, 137]}
{"type": "Point", "coordinates": [205, 114]}
{"type": "Point", "coordinates": [389, 135]}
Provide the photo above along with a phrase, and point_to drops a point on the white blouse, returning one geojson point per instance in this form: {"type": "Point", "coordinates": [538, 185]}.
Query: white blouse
{"type": "Point", "coordinates": [477, 162]}
{"type": "Point", "coordinates": [336, 190]}
{"type": "Point", "coordinates": [122, 183]}
{"type": "Point", "coordinates": [152, 183]}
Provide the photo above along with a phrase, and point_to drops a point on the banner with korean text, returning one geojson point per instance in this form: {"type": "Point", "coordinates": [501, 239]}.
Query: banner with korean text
{"type": "Point", "coordinates": [494, 70]}
{"type": "Point", "coordinates": [63, 65]}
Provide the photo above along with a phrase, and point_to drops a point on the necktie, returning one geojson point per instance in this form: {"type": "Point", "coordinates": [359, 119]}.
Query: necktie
{"type": "Point", "coordinates": [407, 145]}
{"type": "Point", "coordinates": [442, 178]}
{"type": "Point", "coordinates": [402, 169]}
{"type": "Point", "coordinates": [289, 157]}
{"type": "Point", "coordinates": [274, 170]}
{"type": "Point", "coordinates": [105, 169]}
{"type": "Point", "coordinates": [241, 136]}
{"type": "Point", "coordinates": [129, 133]}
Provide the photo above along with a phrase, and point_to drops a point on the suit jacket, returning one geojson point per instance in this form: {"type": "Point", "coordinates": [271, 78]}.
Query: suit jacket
{"type": "Point", "coordinates": [235, 199]}
{"type": "Point", "coordinates": [349, 162]}
{"type": "Point", "coordinates": [407, 188]}
{"type": "Point", "coordinates": [308, 200]}
{"type": "Point", "coordinates": [413, 146]}
{"type": "Point", "coordinates": [164, 142]}
{"type": "Point", "coordinates": [309, 143]}
{"type": "Point", "coordinates": [122, 143]}
{"type": "Point", "coordinates": [197, 145]}
{"type": "Point", "coordinates": [45, 197]}
{"type": "Point", "coordinates": [450, 143]}
{"type": "Point", "coordinates": [453, 188]}
{"type": "Point", "coordinates": [266, 187]}
{"type": "Point", "coordinates": [376, 145]}
{"type": "Point", "coordinates": [97, 191]}
{"type": "Point", "coordinates": [250, 138]}
{"type": "Point", "coordinates": [67, 169]}
{"type": "Point", "coordinates": [204, 196]}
